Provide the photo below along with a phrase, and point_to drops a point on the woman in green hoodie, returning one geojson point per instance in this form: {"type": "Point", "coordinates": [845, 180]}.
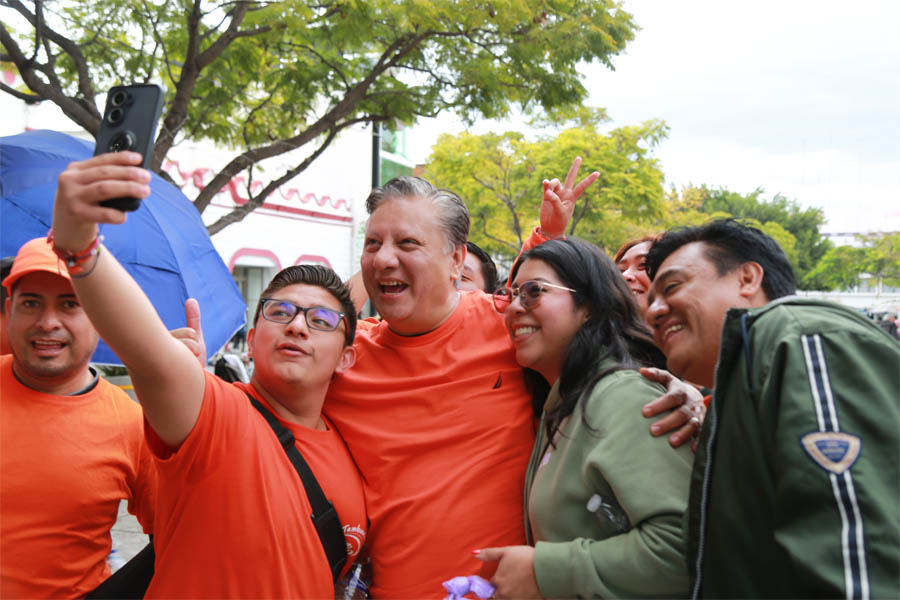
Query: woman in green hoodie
{"type": "Point", "coordinates": [603, 499]}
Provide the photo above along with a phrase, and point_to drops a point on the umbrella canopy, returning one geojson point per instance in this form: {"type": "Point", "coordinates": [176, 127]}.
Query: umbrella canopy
{"type": "Point", "coordinates": [164, 244]}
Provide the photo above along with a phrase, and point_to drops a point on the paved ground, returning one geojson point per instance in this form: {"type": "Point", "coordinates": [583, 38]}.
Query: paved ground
{"type": "Point", "coordinates": [127, 536]}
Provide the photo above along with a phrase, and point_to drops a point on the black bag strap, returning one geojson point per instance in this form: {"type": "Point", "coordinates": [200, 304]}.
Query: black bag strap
{"type": "Point", "coordinates": [324, 515]}
{"type": "Point", "coordinates": [132, 580]}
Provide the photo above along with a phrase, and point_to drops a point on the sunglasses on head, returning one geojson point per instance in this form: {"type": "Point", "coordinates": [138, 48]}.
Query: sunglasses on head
{"type": "Point", "coordinates": [528, 293]}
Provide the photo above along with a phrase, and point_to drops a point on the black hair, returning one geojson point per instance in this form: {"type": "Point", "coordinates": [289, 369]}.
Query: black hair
{"type": "Point", "coordinates": [729, 243]}
{"type": "Point", "coordinates": [614, 329]}
{"type": "Point", "coordinates": [488, 268]}
{"type": "Point", "coordinates": [6, 264]}
{"type": "Point", "coordinates": [318, 276]}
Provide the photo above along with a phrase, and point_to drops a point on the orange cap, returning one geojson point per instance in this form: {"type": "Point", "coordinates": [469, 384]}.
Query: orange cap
{"type": "Point", "coordinates": [36, 255]}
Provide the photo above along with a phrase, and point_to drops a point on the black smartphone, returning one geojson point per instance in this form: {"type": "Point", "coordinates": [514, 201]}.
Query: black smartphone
{"type": "Point", "coordinates": [129, 123]}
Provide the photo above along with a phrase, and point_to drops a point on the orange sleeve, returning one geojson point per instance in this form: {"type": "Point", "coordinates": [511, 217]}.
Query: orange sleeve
{"type": "Point", "coordinates": [536, 238]}
{"type": "Point", "coordinates": [142, 501]}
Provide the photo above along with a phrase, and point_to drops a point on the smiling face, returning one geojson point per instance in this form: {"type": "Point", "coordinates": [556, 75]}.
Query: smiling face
{"type": "Point", "coordinates": [472, 274]}
{"type": "Point", "coordinates": [50, 335]}
{"type": "Point", "coordinates": [688, 302]}
{"type": "Point", "coordinates": [294, 355]}
{"type": "Point", "coordinates": [407, 268]}
{"type": "Point", "coordinates": [542, 335]}
{"type": "Point", "coordinates": [631, 265]}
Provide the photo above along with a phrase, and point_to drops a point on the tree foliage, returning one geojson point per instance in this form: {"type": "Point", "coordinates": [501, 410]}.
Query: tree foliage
{"type": "Point", "coordinates": [499, 176]}
{"type": "Point", "coordinates": [877, 254]}
{"type": "Point", "coordinates": [269, 77]}
{"type": "Point", "coordinates": [840, 268]}
{"type": "Point", "coordinates": [794, 228]}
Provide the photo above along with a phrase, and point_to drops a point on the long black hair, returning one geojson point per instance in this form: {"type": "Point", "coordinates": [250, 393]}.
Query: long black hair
{"type": "Point", "coordinates": [614, 329]}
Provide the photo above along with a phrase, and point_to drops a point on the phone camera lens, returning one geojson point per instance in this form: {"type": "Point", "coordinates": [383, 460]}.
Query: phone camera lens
{"type": "Point", "coordinates": [124, 140]}
{"type": "Point", "coordinates": [119, 98]}
{"type": "Point", "coordinates": [115, 116]}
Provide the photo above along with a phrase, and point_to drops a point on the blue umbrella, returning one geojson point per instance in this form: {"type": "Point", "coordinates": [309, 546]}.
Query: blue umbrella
{"type": "Point", "coordinates": [164, 244]}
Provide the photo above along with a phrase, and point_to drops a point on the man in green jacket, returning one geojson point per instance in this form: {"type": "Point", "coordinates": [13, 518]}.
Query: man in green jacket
{"type": "Point", "coordinates": [795, 486]}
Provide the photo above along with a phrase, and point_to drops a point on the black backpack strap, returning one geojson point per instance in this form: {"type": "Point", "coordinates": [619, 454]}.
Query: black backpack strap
{"type": "Point", "coordinates": [324, 516]}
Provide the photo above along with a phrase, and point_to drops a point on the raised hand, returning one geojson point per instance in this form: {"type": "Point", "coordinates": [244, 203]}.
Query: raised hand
{"type": "Point", "coordinates": [559, 200]}
{"type": "Point", "coordinates": [192, 335]}
{"type": "Point", "coordinates": [83, 185]}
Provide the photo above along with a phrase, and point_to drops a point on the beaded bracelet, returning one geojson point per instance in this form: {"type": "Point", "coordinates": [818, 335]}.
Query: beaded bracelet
{"type": "Point", "coordinates": [76, 261]}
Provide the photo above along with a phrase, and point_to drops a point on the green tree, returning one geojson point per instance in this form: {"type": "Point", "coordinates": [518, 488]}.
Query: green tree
{"type": "Point", "coordinates": [499, 176]}
{"type": "Point", "coordinates": [803, 224]}
{"type": "Point", "coordinates": [840, 268]}
{"type": "Point", "coordinates": [271, 77]}
{"type": "Point", "coordinates": [882, 256]}
{"type": "Point", "coordinates": [794, 228]}
{"type": "Point", "coordinates": [877, 254]}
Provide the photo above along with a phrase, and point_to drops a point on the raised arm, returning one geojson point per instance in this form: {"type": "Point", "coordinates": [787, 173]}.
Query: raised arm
{"type": "Point", "coordinates": [557, 206]}
{"type": "Point", "coordinates": [167, 378]}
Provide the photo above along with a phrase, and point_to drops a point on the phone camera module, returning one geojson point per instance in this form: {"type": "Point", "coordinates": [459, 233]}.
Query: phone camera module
{"type": "Point", "coordinates": [119, 98]}
{"type": "Point", "coordinates": [115, 116]}
{"type": "Point", "coordinates": [124, 140]}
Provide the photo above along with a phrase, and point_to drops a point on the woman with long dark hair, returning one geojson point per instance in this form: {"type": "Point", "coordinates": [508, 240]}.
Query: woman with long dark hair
{"type": "Point", "coordinates": [604, 500]}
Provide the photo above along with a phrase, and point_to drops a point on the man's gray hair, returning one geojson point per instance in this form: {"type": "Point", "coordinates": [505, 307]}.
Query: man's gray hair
{"type": "Point", "coordinates": [454, 216]}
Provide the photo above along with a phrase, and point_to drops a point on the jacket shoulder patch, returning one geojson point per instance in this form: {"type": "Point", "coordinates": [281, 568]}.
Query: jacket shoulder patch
{"type": "Point", "coordinates": [834, 451]}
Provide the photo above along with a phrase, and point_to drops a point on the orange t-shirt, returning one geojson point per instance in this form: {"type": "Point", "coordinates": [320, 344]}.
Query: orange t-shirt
{"type": "Point", "coordinates": [233, 519]}
{"type": "Point", "coordinates": [441, 427]}
{"type": "Point", "coordinates": [65, 464]}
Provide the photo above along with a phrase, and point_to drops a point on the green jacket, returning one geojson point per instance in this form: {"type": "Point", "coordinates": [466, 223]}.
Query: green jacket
{"type": "Point", "coordinates": [795, 487]}
{"type": "Point", "coordinates": [606, 505]}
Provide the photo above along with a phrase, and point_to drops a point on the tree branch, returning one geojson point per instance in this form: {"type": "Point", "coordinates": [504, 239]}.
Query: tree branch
{"type": "Point", "coordinates": [509, 204]}
{"type": "Point", "coordinates": [256, 201]}
{"type": "Point", "coordinates": [70, 48]}
{"type": "Point", "coordinates": [83, 114]}
{"type": "Point", "coordinates": [496, 239]}
{"type": "Point", "coordinates": [580, 216]}
{"type": "Point", "coordinates": [194, 63]}
{"type": "Point", "coordinates": [395, 52]}
{"type": "Point", "coordinates": [30, 98]}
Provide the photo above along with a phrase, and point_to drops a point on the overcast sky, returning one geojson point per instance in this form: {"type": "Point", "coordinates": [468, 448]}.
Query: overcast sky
{"type": "Point", "coordinates": [798, 97]}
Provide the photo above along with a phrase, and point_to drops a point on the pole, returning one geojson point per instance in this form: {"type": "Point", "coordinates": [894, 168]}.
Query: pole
{"type": "Point", "coordinates": [376, 154]}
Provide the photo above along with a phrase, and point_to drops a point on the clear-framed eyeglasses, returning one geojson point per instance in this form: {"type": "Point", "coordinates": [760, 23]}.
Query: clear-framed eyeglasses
{"type": "Point", "coordinates": [528, 293]}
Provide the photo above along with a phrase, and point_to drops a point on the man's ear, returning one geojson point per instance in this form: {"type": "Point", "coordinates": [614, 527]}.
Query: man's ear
{"type": "Point", "coordinates": [458, 258]}
{"type": "Point", "coordinates": [750, 279]}
{"type": "Point", "coordinates": [250, 335]}
{"type": "Point", "coordinates": [347, 359]}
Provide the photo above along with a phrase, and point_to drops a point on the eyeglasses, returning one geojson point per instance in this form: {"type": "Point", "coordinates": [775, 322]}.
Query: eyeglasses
{"type": "Point", "coordinates": [317, 317]}
{"type": "Point", "coordinates": [529, 294]}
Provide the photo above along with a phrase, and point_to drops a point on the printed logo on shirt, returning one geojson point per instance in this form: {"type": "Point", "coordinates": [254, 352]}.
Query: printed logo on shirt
{"type": "Point", "coordinates": [834, 451]}
{"type": "Point", "coordinates": [354, 536]}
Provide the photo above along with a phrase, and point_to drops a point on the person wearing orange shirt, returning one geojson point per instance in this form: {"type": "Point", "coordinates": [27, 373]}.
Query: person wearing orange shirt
{"type": "Point", "coordinates": [435, 411]}
{"type": "Point", "coordinates": [71, 443]}
{"type": "Point", "coordinates": [233, 517]}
